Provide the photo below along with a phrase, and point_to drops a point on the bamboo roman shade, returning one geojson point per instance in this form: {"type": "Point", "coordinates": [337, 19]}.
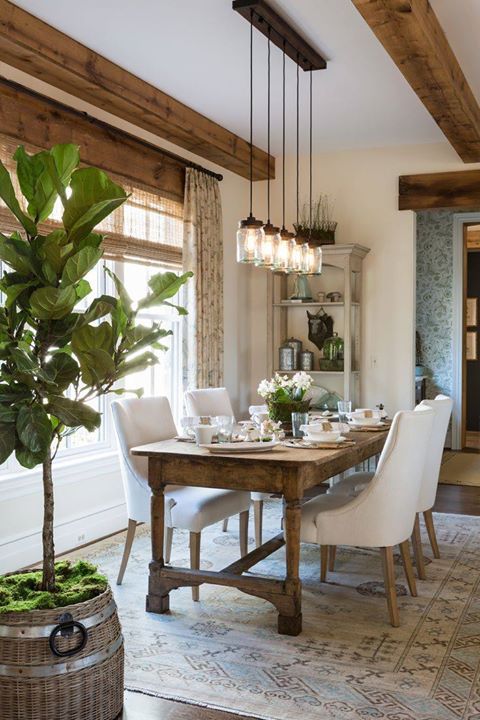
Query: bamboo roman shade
{"type": "Point", "coordinates": [146, 228]}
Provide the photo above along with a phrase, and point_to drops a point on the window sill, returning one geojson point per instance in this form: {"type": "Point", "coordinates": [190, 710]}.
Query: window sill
{"type": "Point", "coordinates": [65, 471]}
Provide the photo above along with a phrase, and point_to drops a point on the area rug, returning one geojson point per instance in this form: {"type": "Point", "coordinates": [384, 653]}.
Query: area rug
{"type": "Point", "coordinates": [460, 468]}
{"type": "Point", "coordinates": [224, 652]}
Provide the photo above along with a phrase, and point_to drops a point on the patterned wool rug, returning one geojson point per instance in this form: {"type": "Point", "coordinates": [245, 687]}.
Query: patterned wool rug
{"type": "Point", "coordinates": [224, 652]}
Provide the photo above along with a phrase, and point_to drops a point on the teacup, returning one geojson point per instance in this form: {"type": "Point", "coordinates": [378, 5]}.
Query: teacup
{"type": "Point", "coordinates": [204, 434]}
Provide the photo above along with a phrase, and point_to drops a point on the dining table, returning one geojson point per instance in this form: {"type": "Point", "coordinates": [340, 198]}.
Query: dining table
{"type": "Point", "coordinates": [284, 471]}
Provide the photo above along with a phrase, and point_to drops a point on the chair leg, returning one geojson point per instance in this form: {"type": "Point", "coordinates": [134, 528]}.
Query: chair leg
{"type": "Point", "coordinates": [168, 543]}
{"type": "Point", "coordinates": [408, 567]}
{"type": "Point", "coordinates": [225, 525]}
{"type": "Point", "coordinates": [243, 523]}
{"type": "Point", "coordinates": [195, 561]}
{"type": "Point", "coordinates": [323, 562]}
{"type": "Point", "coordinates": [258, 518]}
{"type": "Point", "coordinates": [417, 549]}
{"type": "Point", "coordinates": [432, 536]}
{"type": "Point", "coordinates": [331, 557]}
{"type": "Point", "coordinates": [132, 526]}
{"type": "Point", "coordinates": [390, 589]}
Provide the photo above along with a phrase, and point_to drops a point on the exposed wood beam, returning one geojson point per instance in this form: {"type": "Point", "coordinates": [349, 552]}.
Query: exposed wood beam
{"type": "Point", "coordinates": [413, 37]}
{"type": "Point", "coordinates": [440, 190]}
{"type": "Point", "coordinates": [38, 49]}
{"type": "Point", "coordinates": [33, 119]}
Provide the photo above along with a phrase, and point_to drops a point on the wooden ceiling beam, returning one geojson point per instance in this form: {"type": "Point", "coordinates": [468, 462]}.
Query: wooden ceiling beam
{"type": "Point", "coordinates": [413, 37]}
{"type": "Point", "coordinates": [430, 191]}
{"type": "Point", "coordinates": [38, 49]}
{"type": "Point", "coordinates": [32, 119]}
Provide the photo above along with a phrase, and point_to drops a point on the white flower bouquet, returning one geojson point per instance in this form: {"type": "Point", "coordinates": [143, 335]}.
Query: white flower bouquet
{"type": "Point", "coordinates": [284, 395]}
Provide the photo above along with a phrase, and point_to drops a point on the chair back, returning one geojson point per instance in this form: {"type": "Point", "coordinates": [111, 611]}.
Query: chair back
{"type": "Point", "coordinates": [139, 421]}
{"type": "Point", "coordinates": [386, 509]}
{"type": "Point", "coordinates": [442, 408]}
{"type": "Point", "coordinates": [208, 401]}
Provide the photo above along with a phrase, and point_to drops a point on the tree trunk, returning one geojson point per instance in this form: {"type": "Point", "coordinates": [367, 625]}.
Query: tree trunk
{"type": "Point", "coordinates": [48, 579]}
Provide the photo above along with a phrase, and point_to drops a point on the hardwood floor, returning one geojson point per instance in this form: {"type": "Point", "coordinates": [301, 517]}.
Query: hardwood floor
{"type": "Point", "coordinates": [450, 499]}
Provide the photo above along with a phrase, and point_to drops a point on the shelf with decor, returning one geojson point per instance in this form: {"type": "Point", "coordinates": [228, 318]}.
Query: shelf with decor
{"type": "Point", "coordinates": [323, 318]}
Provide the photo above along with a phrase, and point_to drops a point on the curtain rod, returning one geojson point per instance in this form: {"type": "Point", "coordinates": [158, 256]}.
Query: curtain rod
{"type": "Point", "coordinates": [95, 121]}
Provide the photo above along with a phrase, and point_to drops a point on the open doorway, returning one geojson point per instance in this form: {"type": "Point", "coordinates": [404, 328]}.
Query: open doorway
{"type": "Point", "coordinates": [471, 345]}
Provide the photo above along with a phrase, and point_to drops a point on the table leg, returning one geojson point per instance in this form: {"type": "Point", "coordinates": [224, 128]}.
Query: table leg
{"type": "Point", "coordinates": [157, 599]}
{"type": "Point", "coordinates": [290, 617]}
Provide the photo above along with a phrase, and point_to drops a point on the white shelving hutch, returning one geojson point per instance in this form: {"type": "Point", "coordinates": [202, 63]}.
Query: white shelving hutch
{"type": "Point", "coordinates": [342, 271]}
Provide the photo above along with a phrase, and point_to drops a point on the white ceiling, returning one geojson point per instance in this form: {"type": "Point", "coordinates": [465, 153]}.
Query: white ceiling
{"type": "Point", "coordinates": [197, 51]}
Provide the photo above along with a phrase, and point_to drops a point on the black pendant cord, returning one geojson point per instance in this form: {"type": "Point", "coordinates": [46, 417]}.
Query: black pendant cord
{"type": "Point", "coordinates": [268, 126]}
{"type": "Point", "coordinates": [283, 141]}
{"type": "Point", "coordinates": [251, 113]}
{"type": "Point", "coordinates": [298, 139]}
{"type": "Point", "coordinates": [311, 144]}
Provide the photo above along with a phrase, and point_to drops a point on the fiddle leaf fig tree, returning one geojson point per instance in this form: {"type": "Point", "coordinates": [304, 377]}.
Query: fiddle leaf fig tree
{"type": "Point", "coordinates": [54, 357]}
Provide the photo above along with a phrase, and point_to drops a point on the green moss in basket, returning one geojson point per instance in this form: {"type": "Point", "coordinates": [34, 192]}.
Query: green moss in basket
{"type": "Point", "coordinates": [75, 583]}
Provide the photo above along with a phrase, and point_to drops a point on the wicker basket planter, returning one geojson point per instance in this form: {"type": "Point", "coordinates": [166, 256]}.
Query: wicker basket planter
{"type": "Point", "coordinates": [59, 667]}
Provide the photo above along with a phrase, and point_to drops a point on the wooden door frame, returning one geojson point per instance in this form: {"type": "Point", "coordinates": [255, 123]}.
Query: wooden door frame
{"type": "Point", "coordinates": [460, 223]}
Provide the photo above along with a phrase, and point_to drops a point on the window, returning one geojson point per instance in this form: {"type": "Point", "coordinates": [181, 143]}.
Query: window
{"type": "Point", "coordinates": [143, 236]}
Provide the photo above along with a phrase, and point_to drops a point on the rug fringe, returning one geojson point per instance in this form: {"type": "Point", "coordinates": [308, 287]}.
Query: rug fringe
{"type": "Point", "coordinates": [195, 703]}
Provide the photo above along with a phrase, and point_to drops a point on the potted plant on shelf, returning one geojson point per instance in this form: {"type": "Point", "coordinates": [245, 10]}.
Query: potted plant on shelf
{"type": "Point", "coordinates": [323, 227]}
{"type": "Point", "coordinates": [285, 395]}
{"type": "Point", "coordinates": [61, 648]}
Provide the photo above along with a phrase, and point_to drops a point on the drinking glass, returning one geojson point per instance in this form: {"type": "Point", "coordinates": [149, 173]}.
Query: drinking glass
{"type": "Point", "coordinates": [224, 425]}
{"type": "Point", "coordinates": [344, 408]}
{"type": "Point", "coordinates": [187, 424]}
{"type": "Point", "coordinates": [298, 419]}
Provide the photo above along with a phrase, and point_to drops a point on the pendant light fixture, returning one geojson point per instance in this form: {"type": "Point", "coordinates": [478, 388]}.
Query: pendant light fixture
{"type": "Point", "coordinates": [313, 256]}
{"type": "Point", "coordinates": [271, 237]}
{"type": "Point", "coordinates": [282, 248]}
{"type": "Point", "coordinates": [250, 231]}
{"type": "Point", "coordinates": [295, 262]}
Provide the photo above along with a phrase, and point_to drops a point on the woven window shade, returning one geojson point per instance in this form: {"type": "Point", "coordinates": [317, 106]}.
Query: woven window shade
{"type": "Point", "coordinates": [146, 228]}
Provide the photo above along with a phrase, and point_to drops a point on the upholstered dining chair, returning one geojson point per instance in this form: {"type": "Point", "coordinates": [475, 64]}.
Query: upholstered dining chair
{"type": "Point", "coordinates": [144, 420]}
{"type": "Point", "coordinates": [357, 482]}
{"type": "Point", "coordinates": [216, 401]}
{"type": "Point", "coordinates": [384, 514]}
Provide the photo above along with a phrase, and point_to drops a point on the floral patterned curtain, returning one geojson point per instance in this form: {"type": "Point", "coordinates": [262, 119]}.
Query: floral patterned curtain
{"type": "Point", "coordinates": [203, 255]}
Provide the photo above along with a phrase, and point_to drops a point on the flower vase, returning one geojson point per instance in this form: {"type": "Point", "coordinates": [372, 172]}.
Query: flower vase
{"type": "Point", "coordinates": [282, 412]}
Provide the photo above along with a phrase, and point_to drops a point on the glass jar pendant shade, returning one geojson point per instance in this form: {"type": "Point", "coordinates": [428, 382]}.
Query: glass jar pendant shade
{"type": "Point", "coordinates": [269, 245]}
{"type": "Point", "coordinates": [250, 235]}
{"type": "Point", "coordinates": [281, 260]}
{"type": "Point", "coordinates": [250, 238]}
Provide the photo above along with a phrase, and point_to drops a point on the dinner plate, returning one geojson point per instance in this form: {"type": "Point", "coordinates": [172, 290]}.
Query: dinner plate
{"type": "Point", "coordinates": [371, 424]}
{"type": "Point", "coordinates": [240, 447]}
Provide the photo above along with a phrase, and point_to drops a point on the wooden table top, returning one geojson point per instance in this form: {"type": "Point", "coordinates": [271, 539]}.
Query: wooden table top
{"type": "Point", "coordinates": [280, 455]}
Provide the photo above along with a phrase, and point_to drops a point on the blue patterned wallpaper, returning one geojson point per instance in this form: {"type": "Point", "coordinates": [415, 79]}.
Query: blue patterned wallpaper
{"type": "Point", "coordinates": [435, 297]}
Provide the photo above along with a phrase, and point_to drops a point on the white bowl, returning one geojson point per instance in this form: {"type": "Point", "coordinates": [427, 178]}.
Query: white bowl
{"type": "Point", "coordinates": [315, 433]}
{"type": "Point", "coordinates": [358, 417]}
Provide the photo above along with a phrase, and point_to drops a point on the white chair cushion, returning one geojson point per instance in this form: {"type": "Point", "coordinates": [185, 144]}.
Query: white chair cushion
{"type": "Point", "coordinates": [311, 510]}
{"type": "Point", "coordinates": [351, 485]}
{"type": "Point", "coordinates": [442, 408]}
{"type": "Point", "coordinates": [194, 509]}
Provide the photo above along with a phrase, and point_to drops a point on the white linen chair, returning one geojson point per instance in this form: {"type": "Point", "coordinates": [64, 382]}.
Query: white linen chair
{"type": "Point", "coordinates": [216, 401]}
{"type": "Point", "coordinates": [146, 420]}
{"type": "Point", "coordinates": [355, 483]}
{"type": "Point", "coordinates": [384, 514]}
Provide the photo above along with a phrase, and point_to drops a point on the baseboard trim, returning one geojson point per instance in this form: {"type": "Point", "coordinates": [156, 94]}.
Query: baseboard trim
{"type": "Point", "coordinates": [21, 551]}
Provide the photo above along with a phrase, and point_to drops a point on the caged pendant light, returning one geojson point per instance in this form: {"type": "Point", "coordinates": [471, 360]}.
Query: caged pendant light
{"type": "Point", "coordinates": [250, 233]}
